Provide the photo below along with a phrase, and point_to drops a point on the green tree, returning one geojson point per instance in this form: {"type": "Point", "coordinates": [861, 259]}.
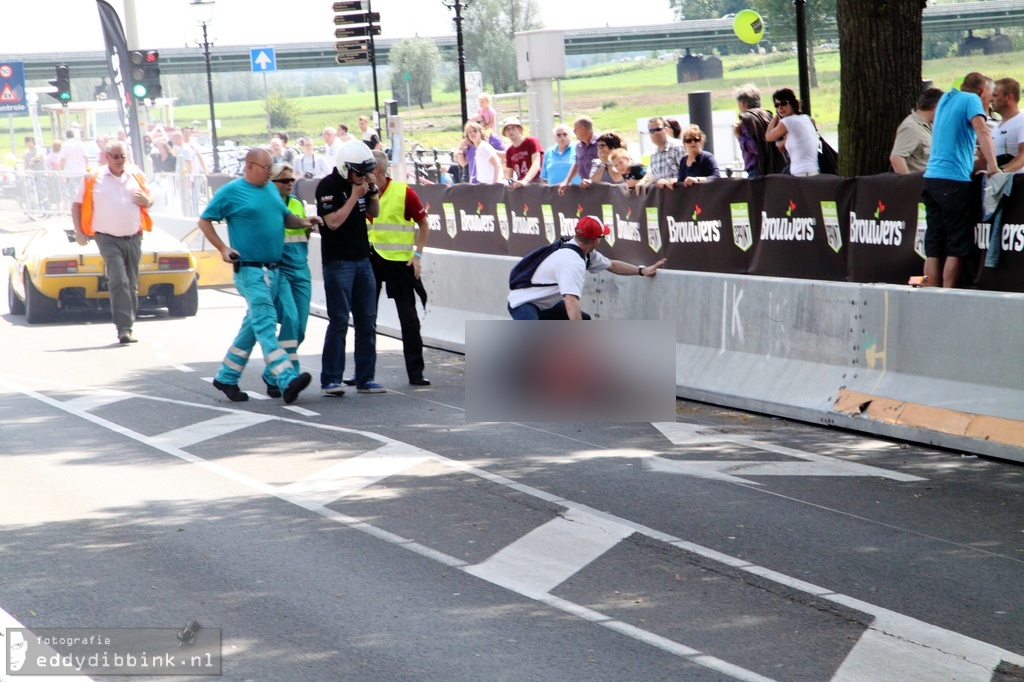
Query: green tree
{"type": "Point", "coordinates": [705, 9]}
{"type": "Point", "coordinates": [880, 45]}
{"type": "Point", "coordinates": [283, 113]}
{"type": "Point", "coordinates": [780, 22]}
{"type": "Point", "coordinates": [488, 29]}
{"type": "Point", "coordinates": [419, 58]}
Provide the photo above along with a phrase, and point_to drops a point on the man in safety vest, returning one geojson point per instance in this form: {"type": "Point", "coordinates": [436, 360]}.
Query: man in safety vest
{"type": "Point", "coordinates": [110, 207]}
{"type": "Point", "coordinates": [397, 257]}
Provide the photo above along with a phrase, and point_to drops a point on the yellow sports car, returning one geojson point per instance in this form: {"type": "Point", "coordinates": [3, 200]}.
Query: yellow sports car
{"type": "Point", "coordinates": [52, 272]}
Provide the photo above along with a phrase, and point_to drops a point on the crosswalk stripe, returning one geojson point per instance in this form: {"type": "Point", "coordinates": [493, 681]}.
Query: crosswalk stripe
{"type": "Point", "coordinates": [98, 399]}
{"type": "Point", "coordinates": [897, 648]}
{"type": "Point", "coordinates": [211, 428]}
{"type": "Point", "coordinates": [551, 554]}
{"type": "Point", "coordinates": [354, 474]}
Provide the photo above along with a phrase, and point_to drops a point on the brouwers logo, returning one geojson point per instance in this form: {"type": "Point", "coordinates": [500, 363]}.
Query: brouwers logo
{"type": "Point", "coordinates": [693, 231]}
{"type": "Point", "coordinates": [524, 224]}
{"type": "Point", "coordinates": [789, 227]}
{"type": "Point", "coordinates": [875, 230]}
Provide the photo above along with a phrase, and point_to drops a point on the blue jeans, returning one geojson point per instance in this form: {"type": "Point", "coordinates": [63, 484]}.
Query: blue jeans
{"type": "Point", "coordinates": [529, 311]}
{"type": "Point", "coordinates": [350, 288]}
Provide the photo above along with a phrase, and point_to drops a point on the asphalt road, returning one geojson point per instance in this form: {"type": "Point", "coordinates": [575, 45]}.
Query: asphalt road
{"type": "Point", "coordinates": [381, 537]}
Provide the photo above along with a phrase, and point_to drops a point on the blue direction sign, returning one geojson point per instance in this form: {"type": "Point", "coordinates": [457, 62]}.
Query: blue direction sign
{"type": "Point", "coordinates": [263, 59]}
{"type": "Point", "coordinates": [12, 88]}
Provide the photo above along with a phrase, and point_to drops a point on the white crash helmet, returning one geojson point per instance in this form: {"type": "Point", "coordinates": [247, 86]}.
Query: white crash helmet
{"type": "Point", "coordinates": [354, 155]}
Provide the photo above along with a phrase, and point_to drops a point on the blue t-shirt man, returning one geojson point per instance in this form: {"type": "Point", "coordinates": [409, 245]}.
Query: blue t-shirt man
{"type": "Point", "coordinates": [953, 135]}
{"type": "Point", "coordinates": [255, 216]}
{"type": "Point", "coordinates": [952, 201]}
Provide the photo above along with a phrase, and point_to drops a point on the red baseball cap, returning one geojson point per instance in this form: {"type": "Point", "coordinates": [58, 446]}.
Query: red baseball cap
{"type": "Point", "coordinates": [590, 227]}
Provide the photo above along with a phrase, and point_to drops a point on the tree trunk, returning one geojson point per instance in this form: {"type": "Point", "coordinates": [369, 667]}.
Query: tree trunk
{"type": "Point", "coordinates": [880, 44]}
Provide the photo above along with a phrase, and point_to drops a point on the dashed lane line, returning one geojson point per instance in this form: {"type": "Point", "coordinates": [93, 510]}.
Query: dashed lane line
{"type": "Point", "coordinates": [933, 650]}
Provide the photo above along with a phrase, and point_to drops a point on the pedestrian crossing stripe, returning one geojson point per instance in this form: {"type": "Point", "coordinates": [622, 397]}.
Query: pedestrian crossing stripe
{"type": "Point", "coordinates": [930, 651]}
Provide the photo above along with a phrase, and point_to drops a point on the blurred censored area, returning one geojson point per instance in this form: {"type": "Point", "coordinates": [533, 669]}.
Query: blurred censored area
{"type": "Point", "coordinates": [554, 370]}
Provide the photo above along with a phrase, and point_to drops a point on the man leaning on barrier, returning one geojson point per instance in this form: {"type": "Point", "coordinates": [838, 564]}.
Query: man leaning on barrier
{"type": "Point", "coordinates": [557, 284]}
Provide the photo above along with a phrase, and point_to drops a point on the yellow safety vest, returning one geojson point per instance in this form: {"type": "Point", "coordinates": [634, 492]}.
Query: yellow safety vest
{"type": "Point", "coordinates": [392, 236]}
{"type": "Point", "coordinates": [90, 182]}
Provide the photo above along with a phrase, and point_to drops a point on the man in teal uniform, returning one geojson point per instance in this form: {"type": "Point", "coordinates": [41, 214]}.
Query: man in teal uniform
{"type": "Point", "coordinates": [256, 219]}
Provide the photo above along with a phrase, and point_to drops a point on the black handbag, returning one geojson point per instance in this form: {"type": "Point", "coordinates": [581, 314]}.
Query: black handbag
{"type": "Point", "coordinates": [828, 158]}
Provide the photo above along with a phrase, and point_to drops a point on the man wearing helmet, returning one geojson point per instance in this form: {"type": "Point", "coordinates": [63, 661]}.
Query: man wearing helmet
{"type": "Point", "coordinates": [344, 199]}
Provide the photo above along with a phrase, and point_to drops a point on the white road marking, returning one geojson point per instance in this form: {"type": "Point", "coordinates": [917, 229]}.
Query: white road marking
{"type": "Point", "coordinates": [897, 648]}
{"type": "Point", "coordinates": [549, 555]}
{"type": "Point", "coordinates": [160, 355]}
{"type": "Point", "coordinates": [919, 639]}
{"type": "Point", "coordinates": [97, 399]}
{"type": "Point", "coordinates": [183, 368]}
{"type": "Point", "coordinates": [302, 410]}
{"type": "Point", "coordinates": [7, 622]}
{"type": "Point", "coordinates": [812, 464]}
{"type": "Point", "coordinates": [354, 474]}
{"type": "Point", "coordinates": [212, 428]}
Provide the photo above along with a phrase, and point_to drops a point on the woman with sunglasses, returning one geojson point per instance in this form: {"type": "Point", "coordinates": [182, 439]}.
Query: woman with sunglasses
{"type": "Point", "coordinates": [794, 133]}
{"type": "Point", "coordinates": [603, 170]}
{"type": "Point", "coordinates": [295, 283]}
{"type": "Point", "coordinates": [698, 166]}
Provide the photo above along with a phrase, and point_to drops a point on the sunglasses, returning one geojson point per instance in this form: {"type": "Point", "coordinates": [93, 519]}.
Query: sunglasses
{"type": "Point", "coordinates": [655, 130]}
{"type": "Point", "coordinates": [285, 181]}
{"type": "Point", "coordinates": [358, 174]}
{"type": "Point", "coordinates": [781, 104]}
{"type": "Point", "coordinates": [122, 157]}
{"type": "Point", "coordinates": [266, 168]}
{"type": "Point", "coordinates": [691, 139]}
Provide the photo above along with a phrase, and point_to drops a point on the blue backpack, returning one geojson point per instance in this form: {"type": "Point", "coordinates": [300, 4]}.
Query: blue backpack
{"type": "Point", "coordinates": [522, 273]}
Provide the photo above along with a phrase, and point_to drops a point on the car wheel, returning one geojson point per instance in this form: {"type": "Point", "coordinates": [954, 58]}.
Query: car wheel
{"type": "Point", "coordinates": [14, 304]}
{"type": "Point", "coordinates": [38, 308]}
{"type": "Point", "coordinates": [187, 304]}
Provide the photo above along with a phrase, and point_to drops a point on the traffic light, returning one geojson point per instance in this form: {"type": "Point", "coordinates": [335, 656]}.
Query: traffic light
{"type": "Point", "coordinates": [63, 84]}
{"type": "Point", "coordinates": [145, 73]}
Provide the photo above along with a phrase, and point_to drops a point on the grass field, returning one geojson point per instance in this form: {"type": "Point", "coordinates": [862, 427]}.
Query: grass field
{"type": "Point", "coordinates": [613, 94]}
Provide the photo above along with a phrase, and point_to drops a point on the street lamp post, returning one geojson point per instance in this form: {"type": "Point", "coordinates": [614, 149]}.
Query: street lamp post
{"type": "Point", "coordinates": [203, 12]}
{"type": "Point", "coordinates": [458, 6]}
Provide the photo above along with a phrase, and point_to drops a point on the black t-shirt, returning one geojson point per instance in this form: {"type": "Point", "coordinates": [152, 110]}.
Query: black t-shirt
{"type": "Point", "coordinates": [351, 241]}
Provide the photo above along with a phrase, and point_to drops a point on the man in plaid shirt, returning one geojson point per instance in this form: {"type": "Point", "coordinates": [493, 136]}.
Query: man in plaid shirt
{"type": "Point", "coordinates": [665, 162]}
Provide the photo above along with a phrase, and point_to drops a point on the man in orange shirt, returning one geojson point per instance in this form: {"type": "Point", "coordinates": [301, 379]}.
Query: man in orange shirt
{"type": "Point", "coordinates": [110, 207]}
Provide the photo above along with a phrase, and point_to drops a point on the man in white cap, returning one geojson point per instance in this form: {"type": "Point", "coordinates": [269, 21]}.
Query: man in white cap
{"type": "Point", "coordinates": [523, 158]}
{"type": "Point", "coordinates": [557, 283]}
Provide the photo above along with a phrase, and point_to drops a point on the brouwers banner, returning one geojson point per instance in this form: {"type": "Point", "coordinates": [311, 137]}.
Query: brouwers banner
{"type": "Point", "coordinates": [866, 229]}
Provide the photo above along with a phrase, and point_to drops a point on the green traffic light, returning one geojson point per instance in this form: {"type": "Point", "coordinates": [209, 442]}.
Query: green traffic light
{"type": "Point", "coordinates": [139, 90]}
{"type": "Point", "coordinates": [65, 97]}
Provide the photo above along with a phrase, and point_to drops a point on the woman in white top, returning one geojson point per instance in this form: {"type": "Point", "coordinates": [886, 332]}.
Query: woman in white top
{"type": "Point", "coordinates": [794, 133]}
{"type": "Point", "coordinates": [488, 168]}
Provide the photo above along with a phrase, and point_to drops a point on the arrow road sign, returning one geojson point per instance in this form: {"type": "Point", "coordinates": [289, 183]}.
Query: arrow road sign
{"type": "Point", "coordinates": [350, 6]}
{"type": "Point", "coordinates": [358, 18]}
{"type": "Point", "coordinates": [262, 59]}
{"type": "Point", "coordinates": [354, 46]}
{"type": "Point", "coordinates": [732, 471]}
{"type": "Point", "coordinates": [356, 31]}
{"type": "Point", "coordinates": [352, 58]}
